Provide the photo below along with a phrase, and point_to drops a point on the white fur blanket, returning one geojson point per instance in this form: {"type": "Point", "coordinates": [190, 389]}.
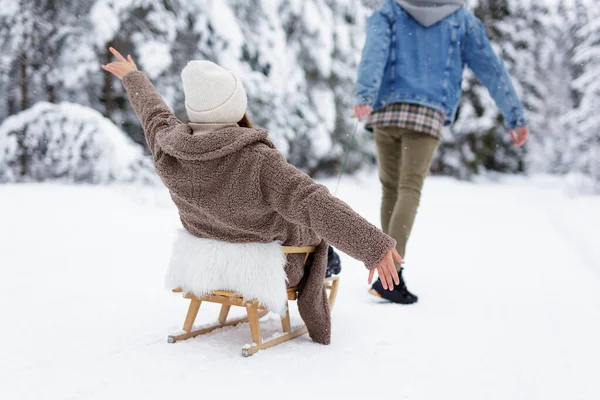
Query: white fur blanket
{"type": "Point", "coordinates": [254, 270]}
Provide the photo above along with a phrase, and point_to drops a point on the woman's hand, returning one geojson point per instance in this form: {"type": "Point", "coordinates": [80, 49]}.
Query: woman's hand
{"type": "Point", "coordinates": [386, 270]}
{"type": "Point", "coordinates": [122, 66]}
{"type": "Point", "coordinates": [362, 111]}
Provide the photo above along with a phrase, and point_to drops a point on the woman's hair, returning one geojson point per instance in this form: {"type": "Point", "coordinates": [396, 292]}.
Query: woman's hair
{"type": "Point", "coordinates": [245, 122]}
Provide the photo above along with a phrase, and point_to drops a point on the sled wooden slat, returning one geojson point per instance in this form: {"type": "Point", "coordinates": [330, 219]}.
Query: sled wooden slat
{"type": "Point", "coordinates": [202, 331]}
{"type": "Point", "coordinates": [298, 250]}
{"type": "Point", "coordinates": [286, 322]}
{"type": "Point", "coordinates": [255, 311]}
{"type": "Point", "coordinates": [191, 315]}
{"type": "Point", "coordinates": [248, 351]}
{"type": "Point", "coordinates": [230, 301]}
{"type": "Point", "coordinates": [224, 313]}
{"type": "Point", "coordinates": [252, 310]}
{"type": "Point", "coordinates": [332, 284]}
{"type": "Point", "coordinates": [226, 294]}
{"type": "Point", "coordinates": [292, 294]}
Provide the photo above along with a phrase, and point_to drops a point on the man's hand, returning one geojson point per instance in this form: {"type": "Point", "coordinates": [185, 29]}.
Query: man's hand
{"type": "Point", "coordinates": [122, 66]}
{"type": "Point", "coordinates": [362, 111]}
{"type": "Point", "coordinates": [519, 136]}
{"type": "Point", "coordinates": [386, 270]}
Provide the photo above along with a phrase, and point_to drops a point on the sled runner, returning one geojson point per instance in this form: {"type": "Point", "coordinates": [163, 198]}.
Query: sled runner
{"type": "Point", "coordinates": [254, 311]}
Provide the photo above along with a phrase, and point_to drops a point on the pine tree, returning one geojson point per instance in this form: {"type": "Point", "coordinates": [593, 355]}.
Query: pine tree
{"type": "Point", "coordinates": [146, 29]}
{"type": "Point", "coordinates": [298, 61]}
{"type": "Point", "coordinates": [586, 116]}
{"type": "Point", "coordinates": [540, 66]}
{"type": "Point", "coordinates": [31, 37]}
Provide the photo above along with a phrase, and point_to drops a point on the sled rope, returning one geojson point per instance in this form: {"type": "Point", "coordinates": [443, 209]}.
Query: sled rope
{"type": "Point", "coordinates": [346, 157]}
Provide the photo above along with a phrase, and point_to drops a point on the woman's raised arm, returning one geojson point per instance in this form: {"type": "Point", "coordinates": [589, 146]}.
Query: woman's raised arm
{"type": "Point", "coordinates": [153, 112]}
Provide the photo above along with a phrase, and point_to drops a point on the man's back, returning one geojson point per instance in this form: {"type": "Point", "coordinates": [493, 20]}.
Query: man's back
{"type": "Point", "coordinates": [405, 61]}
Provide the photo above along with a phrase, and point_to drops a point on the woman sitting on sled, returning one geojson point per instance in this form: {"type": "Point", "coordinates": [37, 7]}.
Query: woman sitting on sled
{"type": "Point", "coordinates": [231, 184]}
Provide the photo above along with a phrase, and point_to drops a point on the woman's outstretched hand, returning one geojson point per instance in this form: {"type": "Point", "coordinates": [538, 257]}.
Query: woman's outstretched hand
{"type": "Point", "coordinates": [122, 66]}
{"type": "Point", "coordinates": [386, 270]}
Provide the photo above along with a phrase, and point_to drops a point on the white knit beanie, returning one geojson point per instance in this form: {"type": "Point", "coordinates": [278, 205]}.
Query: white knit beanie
{"type": "Point", "coordinates": [212, 94]}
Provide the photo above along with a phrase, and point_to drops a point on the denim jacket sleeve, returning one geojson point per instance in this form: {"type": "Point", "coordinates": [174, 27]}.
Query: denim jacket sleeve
{"type": "Point", "coordinates": [374, 57]}
{"type": "Point", "coordinates": [489, 69]}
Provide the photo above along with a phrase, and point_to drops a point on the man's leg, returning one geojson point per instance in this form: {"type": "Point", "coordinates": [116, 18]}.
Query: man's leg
{"type": "Point", "coordinates": [389, 152]}
{"type": "Point", "coordinates": [417, 154]}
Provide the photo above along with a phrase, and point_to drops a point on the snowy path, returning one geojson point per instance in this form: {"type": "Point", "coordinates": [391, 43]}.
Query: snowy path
{"type": "Point", "coordinates": [508, 277]}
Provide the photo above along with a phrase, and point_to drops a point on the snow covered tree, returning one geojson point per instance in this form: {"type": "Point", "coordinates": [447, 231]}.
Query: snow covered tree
{"type": "Point", "coordinates": [71, 143]}
{"type": "Point", "coordinates": [540, 65]}
{"type": "Point", "coordinates": [563, 145]}
{"type": "Point", "coordinates": [298, 61]}
{"type": "Point", "coordinates": [145, 28]}
{"type": "Point", "coordinates": [585, 117]}
{"type": "Point", "coordinates": [33, 38]}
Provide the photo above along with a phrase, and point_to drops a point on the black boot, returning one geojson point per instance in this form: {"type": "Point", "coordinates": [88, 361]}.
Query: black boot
{"type": "Point", "coordinates": [400, 294]}
{"type": "Point", "coordinates": [334, 266]}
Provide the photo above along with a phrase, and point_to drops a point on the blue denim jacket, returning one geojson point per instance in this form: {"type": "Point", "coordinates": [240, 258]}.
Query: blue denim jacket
{"type": "Point", "coordinates": [405, 62]}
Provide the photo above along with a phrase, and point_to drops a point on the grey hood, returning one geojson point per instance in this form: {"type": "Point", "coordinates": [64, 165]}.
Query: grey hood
{"type": "Point", "coordinates": [429, 12]}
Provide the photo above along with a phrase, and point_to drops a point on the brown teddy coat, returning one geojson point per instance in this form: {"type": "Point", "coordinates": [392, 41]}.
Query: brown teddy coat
{"type": "Point", "coordinates": [233, 185]}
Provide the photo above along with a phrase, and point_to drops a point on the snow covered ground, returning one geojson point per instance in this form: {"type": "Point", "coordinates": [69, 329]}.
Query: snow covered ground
{"type": "Point", "coordinates": [508, 276]}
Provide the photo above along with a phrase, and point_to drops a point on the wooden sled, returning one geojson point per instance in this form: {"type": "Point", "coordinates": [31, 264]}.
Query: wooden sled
{"type": "Point", "coordinates": [254, 311]}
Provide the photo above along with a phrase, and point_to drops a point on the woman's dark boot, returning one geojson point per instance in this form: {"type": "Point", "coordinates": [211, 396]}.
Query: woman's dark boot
{"type": "Point", "coordinates": [399, 295]}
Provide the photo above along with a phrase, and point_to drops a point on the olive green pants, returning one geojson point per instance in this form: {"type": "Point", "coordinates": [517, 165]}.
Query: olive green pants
{"type": "Point", "coordinates": [404, 157]}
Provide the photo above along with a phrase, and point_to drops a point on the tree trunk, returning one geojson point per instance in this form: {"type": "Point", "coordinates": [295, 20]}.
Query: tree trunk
{"type": "Point", "coordinates": [24, 84]}
{"type": "Point", "coordinates": [51, 93]}
{"type": "Point", "coordinates": [11, 104]}
{"type": "Point", "coordinates": [107, 87]}
{"type": "Point", "coordinates": [595, 166]}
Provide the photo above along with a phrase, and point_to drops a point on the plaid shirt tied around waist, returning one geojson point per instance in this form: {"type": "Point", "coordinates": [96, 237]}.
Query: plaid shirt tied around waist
{"type": "Point", "coordinates": [409, 116]}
